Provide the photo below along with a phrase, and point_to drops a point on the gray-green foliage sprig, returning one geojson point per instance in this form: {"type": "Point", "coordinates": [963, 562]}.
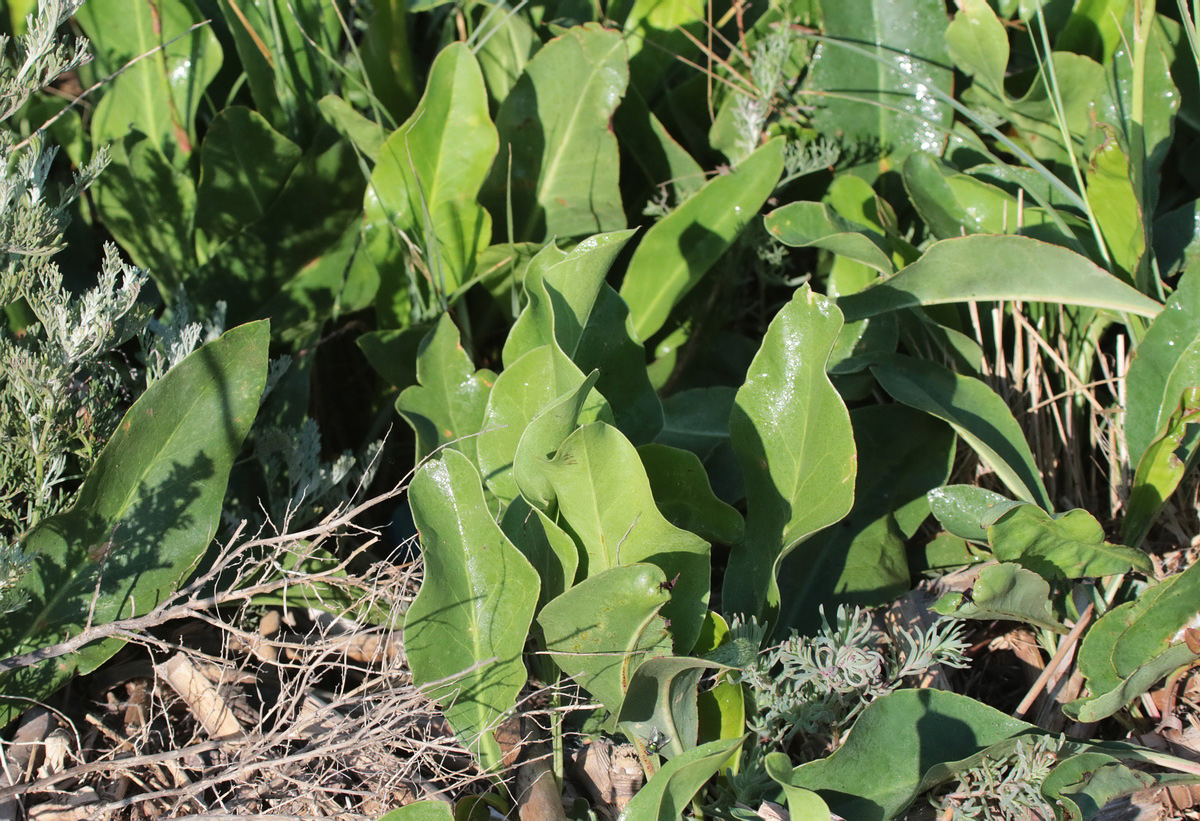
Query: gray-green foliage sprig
{"type": "Point", "coordinates": [60, 391]}
{"type": "Point", "coordinates": [1003, 787]}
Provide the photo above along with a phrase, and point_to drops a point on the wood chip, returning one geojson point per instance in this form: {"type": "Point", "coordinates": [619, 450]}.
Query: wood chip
{"type": "Point", "coordinates": [538, 796]}
{"type": "Point", "coordinates": [202, 698]}
{"type": "Point", "coordinates": [612, 774]}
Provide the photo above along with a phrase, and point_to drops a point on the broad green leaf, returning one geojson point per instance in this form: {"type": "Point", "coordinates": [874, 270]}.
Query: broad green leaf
{"type": "Point", "coordinates": [1138, 682]}
{"type": "Point", "coordinates": [697, 420]}
{"type": "Point", "coordinates": [421, 811]}
{"type": "Point", "coordinates": [801, 803]}
{"type": "Point", "coordinates": [661, 701]}
{"type": "Point", "coordinates": [547, 546]}
{"type": "Point", "coordinates": [1165, 364]}
{"type": "Point", "coordinates": [244, 165]}
{"type": "Point", "coordinates": [657, 33]}
{"type": "Point", "coordinates": [1004, 591]}
{"type": "Point", "coordinates": [145, 514]}
{"type": "Point", "coordinates": [667, 794]}
{"type": "Point", "coordinates": [795, 445]}
{"type": "Point", "coordinates": [393, 354]}
{"type": "Point", "coordinates": [816, 225]}
{"type": "Point", "coordinates": [973, 409]}
{"type": "Point", "coordinates": [257, 263]}
{"type": "Point", "coordinates": [148, 205]}
{"type": "Point", "coordinates": [465, 631]}
{"type": "Point", "coordinates": [682, 492]}
{"type": "Point", "coordinates": [387, 58]}
{"type": "Point", "coordinates": [541, 439]}
{"type": "Point", "coordinates": [981, 268]}
{"type": "Point", "coordinates": [1094, 29]}
{"type": "Point", "coordinates": [884, 99]}
{"type": "Point", "coordinates": [963, 509]}
{"type": "Point", "coordinates": [902, 455]}
{"type": "Point", "coordinates": [368, 136]}
{"type": "Point", "coordinates": [665, 163]}
{"type": "Point", "coordinates": [681, 248]}
{"type": "Point", "coordinates": [571, 304]}
{"type": "Point", "coordinates": [160, 94]}
{"type": "Point", "coordinates": [555, 122]}
{"type": "Point", "coordinates": [604, 501]}
{"type": "Point", "coordinates": [1161, 469]}
{"type": "Point", "coordinates": [447, 407]}
{"type": "Point", "coordinates": [898, 742]}
{"type": "Point", "coordinates": [978, 45]}
{"type": "Point", "coordinates": [1133, 645]}
{"type": "Point", "coordinates": [1069, 544]}
{"type": "Point", "coordinates": [431, 169]}
{"type": "Point", "coordinates": [522, 391]}
{"type": "Point", "coordinates": [600, 630]}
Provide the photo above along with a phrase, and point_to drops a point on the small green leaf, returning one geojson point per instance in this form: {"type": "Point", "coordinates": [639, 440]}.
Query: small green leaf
{"type": "Point", "coordinates": [801, 803]}
{"type": "Point", "coordinates": [667, 794]}
{"type": "Point", "coordinates": [661, 702]}
{"type": "Point", "coordinates": [681, 248]}
{"type": "Point", "coordinates": [1084, 784]}
{"type": "Point", "coordinates": [962, 509]}
{"type": "Point", "coordinates": [1067, 545]}
{"type": "Point", "coordinates": [795, 445]}
{"type": "Point", "coordinates": [604, 501]}
{"type": "Point", "coordinates": [978, 45]}
{"type": "Point", "coordinates": [973, 409]}
{"type": "Point", "coordinates": [1162, 467]}
{"type": "Point", "coordinates": [421, 811]}
{"type": "Point", "coordinates": [816, 225]}
{"type": "Point", "coordinates": [368, 136]}
{"type": "Point", "coordinates": [600, 630]}
{"type": "Point", "coordinates": [447, 407]}
{"type": "Point", "coordinates": [465, 631]}
{"type": "Point", "coordinates": [983, 267]}
{"type": "Point", "coordinates": [145, 513]}
{"type": "Point", "coordinates": [1004, 591]}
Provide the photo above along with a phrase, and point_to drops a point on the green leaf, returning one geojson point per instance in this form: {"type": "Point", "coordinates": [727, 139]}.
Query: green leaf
{"type": "Point", "coordinates": [667, 794]}
{"type": "Point", "coordinates": [1164, 365]}
{"type": "Point", "coordinates": [600, 630]}
{"type": "Point", "coordinates": [1084, 784]}
{"type": "Point", "coordinates": [962, 509]}
{"type": "Point", "coordinates": [548, 547]}
{"type": "Point", "coordinates": [555, 122]}
{"type": "Point", "coordinates": [541, 440]}
{"type": "Point", "coordinates": [148, 206]}
{"type": "Point", "coordinates": [1114, 197]}
{"type": "Point", "coordinates": [368, 136]}
{"type": "Point", "coordinates": [257, 263]}
{"type": "Point", "coordinates": [244, 165]}
{"type": "Point", "coordinates": [885, 102]}
{"type": "Point", "coordinates": [903, 453]}
{"type": "Point", "coordinates": [465, 631]}
{"type": "Point", "coordinates": [681, 248]}
{"type": "Point", "coordinates": [522, 391]}
{"type": "Point", "coordinates": [1004, 591]}
{"type": "Point", "coordinates": [604, 501]}
{"type": "Point", "coordinates": [795, 445]}
{"type": "Point", "coordinates": [661, 701]}
{"type": "Point", "coordinates": [570, 303]}
{"type": "Point", "coordinates": [697, 420]}
{"type": "Point", "coordinates": [816, 225]}
{"type": "Point", "coordinates": [387, 58]}
{"type": "Point", "coordinates": [897, 744]}
{"type": "Point", "coordinates": [145, 514]}
{"type": "Point", "coordinates": [421, 811]}
{"type": "Point", "coordinates": [1070, 544]}
{"type": "Point", "coordinates": [160, 94]}
{"type": "Point", "coordinates": [801, 803]}
{"type": "Point", "coordinates": [1135, 644]}
{"type": "Point", "coordinates": [431, 169]}
{"type": "Point", "coordinates": [973, 409]}
{"type": "Point", "coordinates": [978, 45]}
{"type": "Point", "coordinates": [393, 354]}
{"type": "Point", "coordinates": [451, 399]}
{"type": "Point", "coordinates": [685, 497]}
{"type": "Point", "coordinates": [504, 52]}
{"type": "Point", "coordinates": [983, 268]}
{"type": "Point", "coordinates": [1162, 468]}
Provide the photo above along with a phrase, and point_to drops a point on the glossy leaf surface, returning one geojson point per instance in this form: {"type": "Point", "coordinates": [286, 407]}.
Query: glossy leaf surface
{"type": "Point", "coordinates": [465, 631]}
{"type": "Point", "coordinates": [1004, 591]}
{"type": "Point", "coordinates": [795, 445]}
